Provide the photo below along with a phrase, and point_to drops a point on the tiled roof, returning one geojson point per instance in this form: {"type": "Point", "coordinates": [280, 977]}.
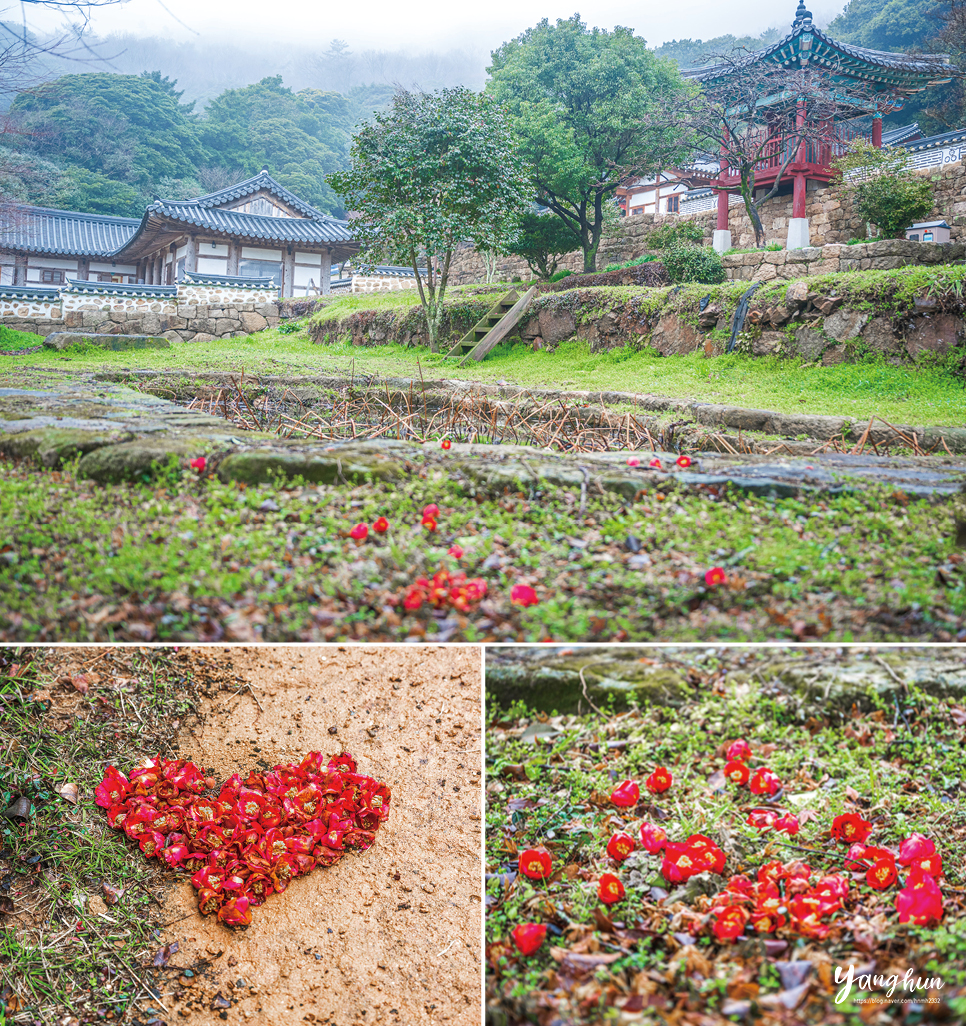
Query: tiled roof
{"type": "Point", "coordinates": [30, 292]}
{"type": "Point", "coordinates": [387, 271]}
{"type": "Point", "coordinates": [251, 226]}
{"type": "Point", "coordinates": [896, 136]}
{"type": "Point", "coordinates": [109, 288]}
{"type": "Point", "coordinates": [262, 181]}
{"type": "Point", "coordinates": [935, 142]}
{"type": "Point", "coordinates": [236, 281]}
{"type": "Point", "coordinates": [806, 44]}
{"type": "Point", "coordinates": [45, 230]}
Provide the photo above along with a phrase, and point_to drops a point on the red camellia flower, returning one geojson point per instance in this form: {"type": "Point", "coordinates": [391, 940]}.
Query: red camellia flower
{"type": "Point", "coordinates": [432, 510]}
{"type": "Point", "coordinates": [850, 828]}
{"type": "Point", "coordinates": [445, 443]}
{"type": "Point", "coordinates": [620, 846]}
{"type": "Point", "coordinates": [535, 863]}
{"type": "Point", "coordinates": [633, 461]}
{"type": "Point", "coordinates": [761, 819]}
{"type": "Point", "coordinates": [715, 576]}
{"type": "Point", "coordinates": [920, 902]}
{"type": "Point", "coordinates": [455, 551]}
{"type": "Point", "coordinates": [915, 846]}
{"type": "Point", "coordinates": [524, 595]}
{"type": "Point", "coordinates": [882, 874]}
{"type": "Point", "coordinates": [446, 590]}
{"type": "Point", "coordinates": [113, 789]}
{"type": "Point", "coordinates": [683, 461]}
{"type": "Point", "coordinates": [787, 824]}
{"type": "Point", "coordinates": [653, 838]}
{"type": "Point", "coordinates": [655, 463]}
{"type": "Point", "coordinates": [737, 772]}
{"type": "Point", "coordinates": [931, 864]}
{"type": "Point", "coordinates": [528, 937]}
{"type": "Point", "coordinates": [198, 463]}
{"type": "Point", "coordinates": [659, 781]}
{"type": "Point", "coordinates": [739, 751]}
{"type": "Point", "coordinates": [626, 794]}
{"type": "Point", "coordinates": [679, 863]}
{"type": "Point", "coordinates": [610, 889]}
{"type": "Point", "coordinates": [236, 911]}
{"type": "Point", "coordinates": [429, 523]}
{"type": "Point", "coordinates": [381, 525]}
{"type": "Point", "coordinates": [359, 532]}
{"type": "Point", "coordinates": [730, 924]}
{"type": "Point", "coordinates": [764, 781]}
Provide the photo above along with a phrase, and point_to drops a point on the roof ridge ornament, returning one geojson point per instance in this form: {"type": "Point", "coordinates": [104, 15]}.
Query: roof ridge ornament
{"type": "Point", "coordinates": [803, 17]}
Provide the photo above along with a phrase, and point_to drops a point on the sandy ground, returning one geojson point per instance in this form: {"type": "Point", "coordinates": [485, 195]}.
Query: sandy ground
{"type": "Point", "coordinates": [391, 935]}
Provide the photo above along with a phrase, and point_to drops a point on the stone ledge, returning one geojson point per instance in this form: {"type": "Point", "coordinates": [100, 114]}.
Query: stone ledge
{"type": "Point", "coordinates": [63, 339]}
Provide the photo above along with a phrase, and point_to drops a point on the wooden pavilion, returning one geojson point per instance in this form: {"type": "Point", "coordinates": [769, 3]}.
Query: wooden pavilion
{"type": "Point", "coordinates": [886, 78]}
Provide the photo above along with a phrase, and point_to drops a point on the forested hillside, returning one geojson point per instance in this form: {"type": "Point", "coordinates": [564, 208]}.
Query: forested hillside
{"type": "Point", "coordinates": [109, 143]}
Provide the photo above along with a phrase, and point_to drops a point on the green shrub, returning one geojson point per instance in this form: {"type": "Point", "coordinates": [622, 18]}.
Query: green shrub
{"type": "Point", "coordinates": [674, 233]}
{"type": "Point", "coordinates": [686, 263]}
{"type": "Point", "coordinates": [560, 275]}
{"type": "Point", "coordinates": [886, 191]}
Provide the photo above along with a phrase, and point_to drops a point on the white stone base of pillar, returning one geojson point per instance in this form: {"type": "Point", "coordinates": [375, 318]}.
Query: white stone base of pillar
{"type": "Point", "coordinates": [798, 237]}
{"type": "Point", "coordinates": [721, 240]}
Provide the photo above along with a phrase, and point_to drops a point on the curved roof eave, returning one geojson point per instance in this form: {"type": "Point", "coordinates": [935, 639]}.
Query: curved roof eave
{"type": "Point", "coordinates": [918, 66]}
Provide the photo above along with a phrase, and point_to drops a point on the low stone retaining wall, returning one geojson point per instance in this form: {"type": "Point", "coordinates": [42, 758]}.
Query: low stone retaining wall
{"type": "Point", "coordinates": [182, 313]}
{"type": "Point", "coordinates": [764, 265]}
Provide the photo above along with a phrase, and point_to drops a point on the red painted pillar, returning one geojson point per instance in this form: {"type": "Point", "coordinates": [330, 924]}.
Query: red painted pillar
{"type": "Point", "coordinates": [798, 196]}
{"type": "Point", "coordinates": [722, 224]}
{"type": "Point", "coordinates": [877, 131]}
{"type": "Point", "coordinates": [799, 125]}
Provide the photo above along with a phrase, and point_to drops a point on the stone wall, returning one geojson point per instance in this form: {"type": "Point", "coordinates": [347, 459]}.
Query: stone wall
{"type": "Point", "coordinates": [198, 313]}
{"type": "Point", "coordinates": [764, 265]}
{"type": "Point", "coordinates": [829, 210]}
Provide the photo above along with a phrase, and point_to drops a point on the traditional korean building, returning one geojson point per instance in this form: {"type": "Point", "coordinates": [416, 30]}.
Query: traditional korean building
{"type": "Point", "coordinates": [256, 228]}
{"type": "Point", "coordinates": [888, 78]}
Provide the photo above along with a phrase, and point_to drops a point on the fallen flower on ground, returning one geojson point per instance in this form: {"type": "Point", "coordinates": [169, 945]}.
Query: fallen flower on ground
{"type": "Point", "coordinates": [380, 525]}
{"type": "Point", "coordinates": [536, 863]}
{"type": "Point", "coordinates": [360, 532]}
{"type": "Point", "coordinates": [620, 846]}
{"type": "Point", "coordinates": [524, 595]}
{"type": "Point", "coordinates": [626, 794]}
{"type": "Point", "coordinates": [609, 889]}
{"type": "Point", "coordinates": [528, 937]}
{"type": "Point", "coordinates": [659, 781]}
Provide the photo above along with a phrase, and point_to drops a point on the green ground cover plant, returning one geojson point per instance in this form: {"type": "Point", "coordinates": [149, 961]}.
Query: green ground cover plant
{"type": "Point", "coordinates": [921, 394]}
{"type": "Point", "coordinates": [654, 954]}
{"type": "Point", "coordinates": [78, 905]}
{"type": "Point", "coordinates": [187, 558]}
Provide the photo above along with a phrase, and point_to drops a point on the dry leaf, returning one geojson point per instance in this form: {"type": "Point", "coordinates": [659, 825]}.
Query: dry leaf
{"type": "Point", "coordinates": [69, 793]}
{"type": "Point", "coordinates": [81, 683]}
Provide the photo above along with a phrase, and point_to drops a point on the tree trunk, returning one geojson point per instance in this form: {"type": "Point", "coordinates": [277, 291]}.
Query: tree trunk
{"type": "Point", "coordinates": [747, 190]}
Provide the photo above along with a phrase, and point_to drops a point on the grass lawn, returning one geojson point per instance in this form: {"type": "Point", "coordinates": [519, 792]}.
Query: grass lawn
{"type": "Point", "coordinates": [908, 394]}
{"type": "Point", "coordinates": [183, 558]}
{"type": "Point", "coordinates": [653, 957]}
{"type": "Point", "coordinates": [79, 910]}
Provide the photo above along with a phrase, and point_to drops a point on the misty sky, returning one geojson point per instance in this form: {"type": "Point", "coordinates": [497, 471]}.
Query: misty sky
{"type": "Point", "coordinates": [396, 24]}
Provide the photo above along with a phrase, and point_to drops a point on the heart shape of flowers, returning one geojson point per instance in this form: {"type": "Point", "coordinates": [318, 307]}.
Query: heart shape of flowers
{"type": "Point", "coordinates": [253, 838]}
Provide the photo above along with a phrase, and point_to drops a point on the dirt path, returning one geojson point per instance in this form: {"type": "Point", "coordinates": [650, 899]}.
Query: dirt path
{"type": "Point", "coordinates": [387, 936]}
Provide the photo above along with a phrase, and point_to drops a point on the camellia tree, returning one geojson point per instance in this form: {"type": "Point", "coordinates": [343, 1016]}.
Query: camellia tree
{"type": "Point", "coordinates": [886, 191]}
{"type": "Point", "coordinates": [580, 99]}
{"type": "Point", "coordinates": [434, 171]}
